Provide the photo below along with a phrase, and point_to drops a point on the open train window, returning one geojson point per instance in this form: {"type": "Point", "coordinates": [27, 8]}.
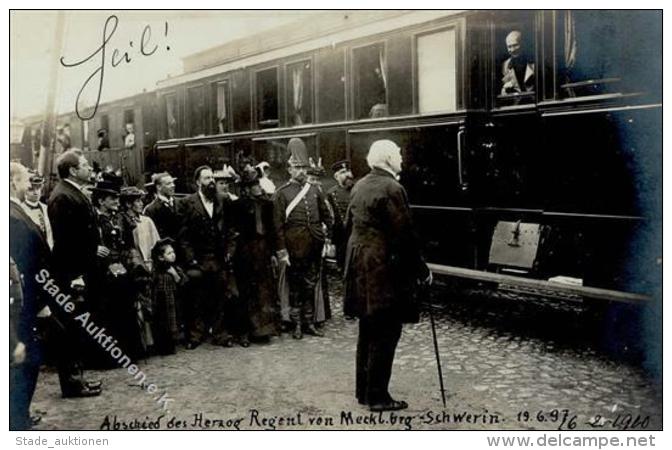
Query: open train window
{"type": "Point", "coordinates": [267, 98]}
{"type": "Point", "coordinates": [609, 52]}
{"type": "Point", "coordinates": [515, 61]}
{"type": "Point", "coordinates": [300, 93]}
{"type": "Point", "coordinates": [370, 81]}
{"type": "Point", "coordinates": [196, 105]}
{"type": "Point", "coordinates": [103, 133]}
{"type": "Point", "coordinates": [436, 54]}
{"type": "Point", "coordinates": [220, 97]}
{"type": "Point", "coordinates": [171, 116]}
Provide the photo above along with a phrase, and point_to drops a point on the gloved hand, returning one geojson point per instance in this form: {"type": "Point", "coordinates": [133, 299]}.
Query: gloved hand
{"type": "Point", "coordinates": [283, 257]}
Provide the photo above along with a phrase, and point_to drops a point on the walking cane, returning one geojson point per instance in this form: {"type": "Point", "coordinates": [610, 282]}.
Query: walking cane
{"type": "Point", "coordinates": [436, 352]}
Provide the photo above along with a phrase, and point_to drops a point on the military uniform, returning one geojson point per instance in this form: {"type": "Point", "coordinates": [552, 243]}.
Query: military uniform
{"type": "Point", "coordinates": [302, 235]}
{"type": "Point", "coordinates": [339, 199]}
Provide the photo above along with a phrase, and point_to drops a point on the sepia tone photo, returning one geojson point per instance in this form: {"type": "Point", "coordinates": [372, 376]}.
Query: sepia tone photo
{"type": "Point", "coordinates": [336, 220]}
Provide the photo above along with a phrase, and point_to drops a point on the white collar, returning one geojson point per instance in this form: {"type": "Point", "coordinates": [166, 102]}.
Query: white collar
{"type": "Point", "coordinates": [165, 199]}
{"type": "Point", "coordinates": [390, 171]}
{"type": "Point", "coordinates": [204, 199]}
{"type": "Point", "coordinates": [79, 188]}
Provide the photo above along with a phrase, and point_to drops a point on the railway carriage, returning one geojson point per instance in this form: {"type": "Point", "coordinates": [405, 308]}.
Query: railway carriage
{"type": "Point", "coordinates": [555, 187]}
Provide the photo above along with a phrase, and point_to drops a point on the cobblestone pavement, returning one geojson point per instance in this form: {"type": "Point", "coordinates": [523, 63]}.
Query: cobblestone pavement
{"type": "Point", "coordinates": [506, 365]}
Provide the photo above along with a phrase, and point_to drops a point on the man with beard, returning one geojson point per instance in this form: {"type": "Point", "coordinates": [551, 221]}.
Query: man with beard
{"type": "Point", "coordinates": [339, 199]}
{"type": "Point", "coordinates": [207, 245]}
{"type": "Point", "coordinates": [300, 211]}
{"type": "Point", "coordinates": [162, 210]}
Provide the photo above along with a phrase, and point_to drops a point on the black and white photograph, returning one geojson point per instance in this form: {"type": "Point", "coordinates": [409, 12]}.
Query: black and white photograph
{"type": "Point", "coordinates": [336, 220]}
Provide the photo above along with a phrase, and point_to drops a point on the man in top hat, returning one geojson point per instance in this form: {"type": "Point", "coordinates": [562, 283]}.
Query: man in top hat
{"type": "Point", "coordinates": [37, 210]}
{"type": "Point", "coordinates": [299, 215]}
{"type": "Point", "coordinates": [339, 198]}
{"type": "Point", "coordinates": [163, 209]}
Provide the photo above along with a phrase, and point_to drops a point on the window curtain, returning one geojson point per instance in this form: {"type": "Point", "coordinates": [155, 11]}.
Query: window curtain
{"type": "Point", "coordinates": [297, 100]}
{"type": "Point", "coordinates": [569, 48]}
{"type": "Point", "coordinates": [170, 113]}
{"type": "Point", "coordinates": [382, 58]}
{"type": "Point", "coordinates": [221, 107]}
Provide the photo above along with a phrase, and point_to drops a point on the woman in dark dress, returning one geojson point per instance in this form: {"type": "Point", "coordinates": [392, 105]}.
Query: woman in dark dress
{"type": "Point", "coordinates": [254, 253]}
{"type": "Point", "coordinates": [114, 306]}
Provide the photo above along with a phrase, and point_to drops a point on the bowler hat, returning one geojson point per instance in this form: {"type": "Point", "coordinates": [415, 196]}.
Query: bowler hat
{"type": "Point", "coordinates": [107, 187]}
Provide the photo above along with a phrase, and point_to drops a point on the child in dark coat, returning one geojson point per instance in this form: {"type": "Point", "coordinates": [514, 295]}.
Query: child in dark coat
{"type": "Point", "coordinates": [167, 282]}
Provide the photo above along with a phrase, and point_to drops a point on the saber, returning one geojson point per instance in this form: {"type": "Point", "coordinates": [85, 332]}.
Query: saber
{"type": "Point", "coordinates": [438, 357]}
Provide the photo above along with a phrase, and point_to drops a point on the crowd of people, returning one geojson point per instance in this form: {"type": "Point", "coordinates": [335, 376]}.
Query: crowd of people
{"type": "Point", "coordinates": [157, 271]}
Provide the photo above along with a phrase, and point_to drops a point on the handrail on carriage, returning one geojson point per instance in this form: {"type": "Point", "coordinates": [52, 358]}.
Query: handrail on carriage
{"type": "Point", "coordinates": [498, 278]}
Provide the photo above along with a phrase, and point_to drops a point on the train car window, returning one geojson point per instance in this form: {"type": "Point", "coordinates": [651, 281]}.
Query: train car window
{"type": "Point", "coordinates": [171, 115]}
{"type": "Point", "coordinates": [196, 105]}
{"type": "Point", "coordinates": [370, 81]}
{"type": "Point", "coordinates": [267, 98]}
{"type": "Point", "coordinates": [300, 92]}
{"type": "Point", "coordinates": [331, 85]}
{"type": "Point", "coordinates": [219, 96]}
{"type": "Point", "coordinates": [103, 133]}
{"type": "Point", "coordinates": [515, 60]}
{"type": "Point", "coordinates": [599, 56]}
{"type": "Point", "coordinates": [436, 71]}
{"type": "Point", "coordinates": [129, 116]}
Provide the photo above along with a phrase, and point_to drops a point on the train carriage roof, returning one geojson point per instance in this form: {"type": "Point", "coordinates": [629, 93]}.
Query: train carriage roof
{"type": "Point", "coordinates": [321, 30]}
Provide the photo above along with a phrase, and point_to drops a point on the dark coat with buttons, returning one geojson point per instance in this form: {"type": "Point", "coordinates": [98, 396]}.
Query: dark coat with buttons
{"type": "Point", "coordinates": [303, 230]}
{"type": "Point", "coordinates": [383, 260]}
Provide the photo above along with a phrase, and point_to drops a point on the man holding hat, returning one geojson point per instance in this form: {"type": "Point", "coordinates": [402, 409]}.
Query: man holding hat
{"type": "Point", "coordinates": [339, 199]}
{"type": "Point", "coordinates": [299, 215]}
{"type": "Point", "coordinates": [163, 209]}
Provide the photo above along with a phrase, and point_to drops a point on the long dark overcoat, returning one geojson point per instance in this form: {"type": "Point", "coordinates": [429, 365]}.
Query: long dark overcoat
{"type": "Point", "coordinates": [76, 236]}
{"type": "Point", "coordinates": [383, 259]}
